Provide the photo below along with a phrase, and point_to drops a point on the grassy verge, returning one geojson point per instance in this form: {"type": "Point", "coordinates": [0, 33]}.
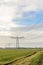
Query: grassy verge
{"type": "Point", "coordinates": [32, 60]}
{"type": "Point", "coordinates": [36, 60]}
{"type": "Point", "coordinates": [9, 55]}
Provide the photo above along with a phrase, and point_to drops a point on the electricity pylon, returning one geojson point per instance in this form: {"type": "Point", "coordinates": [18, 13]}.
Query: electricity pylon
{"type": "Point", "coordinates": [8, 45]}
{"type": "Point", "coordinates": [17, 40]}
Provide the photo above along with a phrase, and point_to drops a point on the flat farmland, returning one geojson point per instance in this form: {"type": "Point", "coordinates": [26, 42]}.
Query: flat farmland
{"type": "Point", "coordinates": [13, 56]}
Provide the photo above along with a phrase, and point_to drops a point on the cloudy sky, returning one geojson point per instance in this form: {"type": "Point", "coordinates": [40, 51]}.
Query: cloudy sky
{"type": "Point", "coordinates": [22, 18]}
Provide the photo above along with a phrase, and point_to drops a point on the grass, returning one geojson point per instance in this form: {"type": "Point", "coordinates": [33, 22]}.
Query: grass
{"type": "Point", "coordinates": [8, 55]}
{"type": "Point", "coordinates": [36, 60]}
{"type": "Point", "coordinates": [32, 60]}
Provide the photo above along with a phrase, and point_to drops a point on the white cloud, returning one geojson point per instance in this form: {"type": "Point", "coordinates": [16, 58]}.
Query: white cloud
{"type": "Point", "coordinates": [6, 15]}
{"type": "Point", "coordinates": [5, 33]}
{"type": "Point", "coordinates": [33, 5]}
{"type": "Point", "coordinates": [10, 9]}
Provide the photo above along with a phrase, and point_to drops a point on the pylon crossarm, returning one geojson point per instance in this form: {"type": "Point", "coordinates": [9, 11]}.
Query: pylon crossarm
{"type": "Point", "coordinates": [20, 37]}
{"type": "Point", "coordinates": [13, 37]}
{"type": "Point", "coordinates": [17, 37]}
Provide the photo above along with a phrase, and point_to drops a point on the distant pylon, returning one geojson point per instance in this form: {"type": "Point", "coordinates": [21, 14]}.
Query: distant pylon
{"type": "Point", "coordinates": [9, 45]}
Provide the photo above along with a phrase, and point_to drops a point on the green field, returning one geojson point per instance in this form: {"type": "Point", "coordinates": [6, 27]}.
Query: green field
{"type": "Point", "coordinates": [20, 56]}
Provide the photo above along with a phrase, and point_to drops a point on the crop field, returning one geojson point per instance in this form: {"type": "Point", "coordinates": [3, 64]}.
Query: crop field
{"type": "Point", "coordinates": [21, 56]}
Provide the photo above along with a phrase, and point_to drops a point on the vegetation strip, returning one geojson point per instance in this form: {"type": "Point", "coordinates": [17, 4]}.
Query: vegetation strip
{"type": "Point", "coordinates": [21, 58]}
{"type": "Point", "coordinates": [17, 56]}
